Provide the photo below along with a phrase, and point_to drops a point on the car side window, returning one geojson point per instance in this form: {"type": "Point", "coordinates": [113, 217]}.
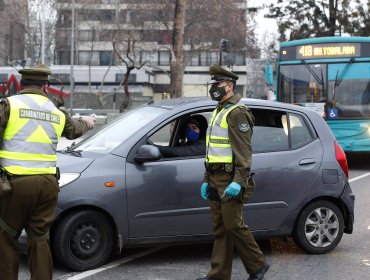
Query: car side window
{"type": "Point", "coordinates": [270, 133]}
{"type": "Point", "coordinates": [163, 136]}
{"type": "Point", "coordinates": [299, 133]}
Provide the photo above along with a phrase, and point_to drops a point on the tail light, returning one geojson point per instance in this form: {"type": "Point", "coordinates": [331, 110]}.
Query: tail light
{"type": "Point", "coordinates": [341, 158]}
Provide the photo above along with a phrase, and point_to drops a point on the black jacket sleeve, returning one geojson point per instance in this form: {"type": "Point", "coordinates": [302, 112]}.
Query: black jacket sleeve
{"type": "Point", "coordinates": [188, 149]}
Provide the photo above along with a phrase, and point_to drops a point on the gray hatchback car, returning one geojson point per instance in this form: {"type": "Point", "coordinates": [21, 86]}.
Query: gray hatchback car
{"type": "Point", "coordinates": [117, 191]}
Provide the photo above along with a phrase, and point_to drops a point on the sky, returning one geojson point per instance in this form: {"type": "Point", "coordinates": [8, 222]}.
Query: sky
{"type": "Point", "coordinates": [264, 25]}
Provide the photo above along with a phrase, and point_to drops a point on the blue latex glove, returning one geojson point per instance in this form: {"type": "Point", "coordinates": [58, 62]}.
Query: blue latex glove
{"type": "Point", "coordinates": [233, 189]}
{"type": "Point", "coordinates": [203, 190]}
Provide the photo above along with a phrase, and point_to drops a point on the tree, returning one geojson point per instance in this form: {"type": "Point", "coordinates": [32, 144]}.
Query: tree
{"type": "Point", "coordinates": [177, 53]}
{"type": "Point", "coordinates": [360, 19]}
{"type": "Point", "coordinates": [300, 19]}
{"type": "Point", "coordinates": [206, 22]}
{"type": "Point", "coordinates": [130, 60]}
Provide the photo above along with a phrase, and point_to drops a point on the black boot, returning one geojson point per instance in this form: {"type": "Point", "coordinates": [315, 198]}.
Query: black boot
{"type": "Point", "coordinates": [260, 273]}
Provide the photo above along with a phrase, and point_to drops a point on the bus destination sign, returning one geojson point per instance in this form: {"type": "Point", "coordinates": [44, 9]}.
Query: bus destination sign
{"type": "Point", "coordinates": [331, 50]}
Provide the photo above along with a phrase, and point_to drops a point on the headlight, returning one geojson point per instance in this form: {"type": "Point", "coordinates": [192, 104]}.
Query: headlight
{"type": "Point", "coordinates": [66, 178]}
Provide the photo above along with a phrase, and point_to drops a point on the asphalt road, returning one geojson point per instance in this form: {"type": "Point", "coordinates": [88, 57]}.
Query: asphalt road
{"type": "Point", "coordinates": [350, 260]}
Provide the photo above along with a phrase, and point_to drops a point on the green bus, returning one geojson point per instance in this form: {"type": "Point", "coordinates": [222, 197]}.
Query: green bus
{"type": "Point", "coordinates": [330, 75]}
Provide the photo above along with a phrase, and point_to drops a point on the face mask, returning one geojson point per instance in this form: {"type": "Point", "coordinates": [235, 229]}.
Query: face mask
{"type": "Point", "coordinates": [217, 92]}
{"type": "Point", "coordinates": [192, 135]}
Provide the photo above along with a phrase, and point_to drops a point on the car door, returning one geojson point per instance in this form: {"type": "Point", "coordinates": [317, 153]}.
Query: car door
{"type": "Point", "coordinates": [164, 196]}
{"type": "Point", "coordinates": [285, 163]}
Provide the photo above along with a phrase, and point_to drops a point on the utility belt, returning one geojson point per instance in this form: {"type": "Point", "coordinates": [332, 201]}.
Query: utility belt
{"type": "Point", "coordinates": [214, 167]}
{"type": "Point", "coordinates": [247, 189]}
{"type": "Point", "coordinates": [5, 187]}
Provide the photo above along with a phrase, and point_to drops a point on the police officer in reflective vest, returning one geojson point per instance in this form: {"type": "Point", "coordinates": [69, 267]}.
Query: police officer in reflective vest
{"type": "Point", "coordinates": [30, 127]}
{"type": "Point", "coordinates": [227, 182]}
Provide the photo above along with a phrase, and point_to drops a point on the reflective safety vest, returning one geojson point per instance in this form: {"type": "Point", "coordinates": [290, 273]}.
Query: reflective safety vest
{"type": "Point", "coordinates": [31, 135]}
{"type": "Point", "coordinates": [217, 140]}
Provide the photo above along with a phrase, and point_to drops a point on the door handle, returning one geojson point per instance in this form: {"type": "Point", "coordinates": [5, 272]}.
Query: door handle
{"type": "Point", "coordinates": [307, 161]}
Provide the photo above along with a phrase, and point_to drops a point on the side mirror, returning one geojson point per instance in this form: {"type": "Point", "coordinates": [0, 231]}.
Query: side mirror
{"type": "Point", "coordinates": [147, 153]}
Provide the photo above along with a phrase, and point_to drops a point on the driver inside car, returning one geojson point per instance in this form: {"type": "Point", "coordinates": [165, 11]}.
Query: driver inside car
{"type": "Point", "coordinates": [195, 143]}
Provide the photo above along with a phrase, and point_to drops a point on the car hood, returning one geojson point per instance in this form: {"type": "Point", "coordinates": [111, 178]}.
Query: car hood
{"type": "Point", "coordinates": [70, 163]}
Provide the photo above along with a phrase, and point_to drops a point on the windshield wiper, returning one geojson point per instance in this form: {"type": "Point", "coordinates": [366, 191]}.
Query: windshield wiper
{"type": "Point", "coordinates": [339, 79]}
{"type": "Point", "coordinates": [317, 78]}
{"type": "Point", "coordinates": [70, 150]}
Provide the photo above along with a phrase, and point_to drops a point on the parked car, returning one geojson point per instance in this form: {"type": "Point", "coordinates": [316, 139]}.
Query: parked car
{"type": "Point", "coordinates": [117, 191]}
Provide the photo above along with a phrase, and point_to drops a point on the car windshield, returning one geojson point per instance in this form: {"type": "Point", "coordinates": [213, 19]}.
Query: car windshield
{"type": "Point", "coordinates": [117, 132]}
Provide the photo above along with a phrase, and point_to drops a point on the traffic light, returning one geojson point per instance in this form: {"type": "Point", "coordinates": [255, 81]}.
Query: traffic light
{"type": "Point", "coordinates": [224, 45]}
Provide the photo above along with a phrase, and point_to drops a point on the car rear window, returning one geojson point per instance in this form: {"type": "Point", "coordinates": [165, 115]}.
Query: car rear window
{"type": "Point", "coordinates": [276, 130]}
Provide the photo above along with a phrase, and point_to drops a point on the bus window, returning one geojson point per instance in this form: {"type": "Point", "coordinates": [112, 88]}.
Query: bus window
{"type": "Point", "coordinates": [352, 95]}
{"type": "Point", "coordinates": [304, 83]}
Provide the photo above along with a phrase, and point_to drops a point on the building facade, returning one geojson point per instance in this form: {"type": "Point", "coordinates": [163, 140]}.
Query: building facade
{"type": "Point", "coordinates": [13, 18]}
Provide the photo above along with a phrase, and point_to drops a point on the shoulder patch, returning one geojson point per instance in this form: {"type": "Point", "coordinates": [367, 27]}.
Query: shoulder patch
{"type": "Point", "coordinates": [244, 126]}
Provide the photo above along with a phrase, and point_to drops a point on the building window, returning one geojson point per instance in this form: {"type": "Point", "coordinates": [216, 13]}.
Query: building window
{"type": "Point", "coordinates": [86, 35]}
{"type": "Point", "coordinates": [63, 57]}
{"type": "Point", "coordinates": [105, 58]}
{"type": "Point", "coordinates": [107, 15]}
{"type": "Point", "coordinates": [88, 58]}
{"type": "Point", "coordinates": [150, 57]}
{"type": "Point", "coordinates": [164, 58]}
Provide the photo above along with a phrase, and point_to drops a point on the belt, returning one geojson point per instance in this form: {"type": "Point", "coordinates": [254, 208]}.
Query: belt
{"type": "Point", "coordinates": [228, 167]}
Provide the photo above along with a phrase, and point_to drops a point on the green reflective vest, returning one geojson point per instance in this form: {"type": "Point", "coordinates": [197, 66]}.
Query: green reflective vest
{"type": "Point", "coordinates": [217, 140]}
{"type": "Point", "coordinates": [31, 135]}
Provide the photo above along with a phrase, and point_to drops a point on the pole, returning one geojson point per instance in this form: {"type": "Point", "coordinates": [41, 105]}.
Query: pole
{"type": "Point", "coordinates": [43, 40]}
{"type": "Point", "coordinates": [72, 80]}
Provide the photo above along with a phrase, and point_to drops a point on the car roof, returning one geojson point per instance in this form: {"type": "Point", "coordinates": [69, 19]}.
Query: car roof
{"type": "Point", "coordinates": [191, 102]}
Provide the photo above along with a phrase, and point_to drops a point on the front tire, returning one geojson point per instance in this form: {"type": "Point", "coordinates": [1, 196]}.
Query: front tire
{"type": "Point", "coordinates": [83, 240]}
{"type": "Point", "coordinates": [319, 227]}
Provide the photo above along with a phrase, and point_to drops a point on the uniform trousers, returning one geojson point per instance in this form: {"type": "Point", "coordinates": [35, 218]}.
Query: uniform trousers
{"type": "Point", "coordinates": [30, 206]}
{"type": "Point", "coordinates": [230, 231]}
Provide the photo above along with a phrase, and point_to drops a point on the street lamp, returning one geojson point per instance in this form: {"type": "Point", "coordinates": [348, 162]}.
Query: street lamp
{"type": "Point", "coordinates": [72, 81]}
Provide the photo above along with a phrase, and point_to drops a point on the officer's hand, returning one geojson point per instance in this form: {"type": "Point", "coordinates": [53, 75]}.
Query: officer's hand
{"type": "Point", "coordinates": [233, 189]}
{"type": "Point", "coordinates": [203, 190]}
{"type": "Point", "coordinates": [90, 120]}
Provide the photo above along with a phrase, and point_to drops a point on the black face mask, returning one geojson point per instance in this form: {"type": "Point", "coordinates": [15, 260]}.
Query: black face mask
{"type": "Point", "coordinates": [217, 92]}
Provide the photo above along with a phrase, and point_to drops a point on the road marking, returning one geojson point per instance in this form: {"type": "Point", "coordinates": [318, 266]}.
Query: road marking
{"type": "Point", "coordinates": [116, 263]}
{"type": "Point", "coordinates": [368, 227]}
{"type": "Point", "coordinates": [366, 262]}
{"type": "Point", "coordinates": [358, 177]}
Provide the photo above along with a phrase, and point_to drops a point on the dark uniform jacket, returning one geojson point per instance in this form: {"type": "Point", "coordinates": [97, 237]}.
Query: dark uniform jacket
{"type": "Point", "coordinates": [186, 149]}
{"type": "Point", "coordinates": [240, 140]}
{"type": "Point", "coordinates": [72, 129]}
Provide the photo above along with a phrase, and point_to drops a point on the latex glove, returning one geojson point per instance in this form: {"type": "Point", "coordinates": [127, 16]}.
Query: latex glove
{"type": "Point", "coordinates": [233, 189]}
{"type": "Point", "coordinates": [203, 190]}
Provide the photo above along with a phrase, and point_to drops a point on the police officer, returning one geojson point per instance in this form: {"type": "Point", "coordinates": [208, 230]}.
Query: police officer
{"type": "Point", "coordinates": [30, 127]}
{"type": "Point", "coordinates": [226, 182]}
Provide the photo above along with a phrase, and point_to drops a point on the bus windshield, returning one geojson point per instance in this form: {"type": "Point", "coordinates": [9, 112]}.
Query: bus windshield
{"type": "Point", "coordinates": [344, 87]}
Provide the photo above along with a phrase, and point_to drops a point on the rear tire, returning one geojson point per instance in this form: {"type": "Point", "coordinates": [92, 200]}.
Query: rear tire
{"type": "Point", "coordinates": [319, 227]}
{"type": "Point", "coordinates": [83, 240]}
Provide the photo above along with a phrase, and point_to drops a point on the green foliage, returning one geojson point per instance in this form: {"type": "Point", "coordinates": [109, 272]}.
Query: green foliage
{"type": "Point", "coordinates": [310, 18]}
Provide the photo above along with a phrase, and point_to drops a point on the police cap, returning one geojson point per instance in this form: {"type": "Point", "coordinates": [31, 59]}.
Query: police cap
{"type": "Point", "coordinates": [39, 72]}
{"type": "Point", "coordinates": [219, 74]}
